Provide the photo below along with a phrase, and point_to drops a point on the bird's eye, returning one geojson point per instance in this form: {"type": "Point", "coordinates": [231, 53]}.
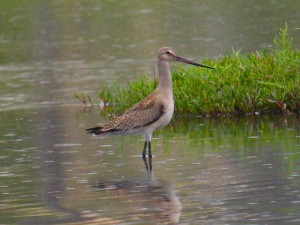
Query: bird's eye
{"type": "Point", "coordinates": [168, 52]}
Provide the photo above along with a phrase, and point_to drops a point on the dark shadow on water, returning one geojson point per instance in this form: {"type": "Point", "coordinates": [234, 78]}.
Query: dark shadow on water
{"type": "Point", "coordinates": [151, 199]}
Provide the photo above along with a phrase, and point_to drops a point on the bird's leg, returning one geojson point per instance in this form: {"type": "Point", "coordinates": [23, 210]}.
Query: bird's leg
{"type": "Point", "coordinates": [144, 151]}
{"type": "Point", "coordinates": [148, 167]}
{"type": "Point", "coordinates": [146, 164]}
{"type": "Point", "coordinates": [150, 164]}
{"type": "Point", "coordinates": [149, 149]}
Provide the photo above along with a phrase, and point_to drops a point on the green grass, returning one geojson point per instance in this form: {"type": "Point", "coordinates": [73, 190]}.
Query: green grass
{"type": "Point", "coordinates": [265, 82]}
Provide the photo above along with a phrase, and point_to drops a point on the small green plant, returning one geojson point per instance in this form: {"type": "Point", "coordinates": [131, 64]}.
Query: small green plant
{"type": "Point", "coordinates": [85, 99]}
{"type": "Point", "coordinates": [263, 82]}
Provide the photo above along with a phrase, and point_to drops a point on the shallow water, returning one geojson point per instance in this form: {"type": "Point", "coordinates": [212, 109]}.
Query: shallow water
{"type": "Point", "coordinates": [205, 171]}
{"type": "Point", "coordinates": [226, 171]}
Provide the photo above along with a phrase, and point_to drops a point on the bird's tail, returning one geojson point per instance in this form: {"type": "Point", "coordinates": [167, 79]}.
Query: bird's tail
{"type": "Point", "coordinates": [94, 130]}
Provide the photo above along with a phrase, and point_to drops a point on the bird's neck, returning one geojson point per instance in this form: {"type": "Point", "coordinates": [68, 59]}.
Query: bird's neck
{"type": "Point", "coordinates": [165, 77]}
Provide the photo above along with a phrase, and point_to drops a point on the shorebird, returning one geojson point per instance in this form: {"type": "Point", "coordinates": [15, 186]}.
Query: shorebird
{"type": "Point", "coordinates": [153, 112]}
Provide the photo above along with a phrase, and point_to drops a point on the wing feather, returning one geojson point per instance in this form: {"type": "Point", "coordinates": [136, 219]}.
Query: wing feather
{"type": "Point", "coordinates": [140, 115]}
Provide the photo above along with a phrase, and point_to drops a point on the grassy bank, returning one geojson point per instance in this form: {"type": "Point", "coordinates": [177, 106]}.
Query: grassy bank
{"type": "Point", "coordinates": [266, 82]}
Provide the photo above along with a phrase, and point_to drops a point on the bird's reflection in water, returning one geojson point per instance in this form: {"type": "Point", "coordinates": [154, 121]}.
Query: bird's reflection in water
{"type": "Point", "coordinates": [156, 199]}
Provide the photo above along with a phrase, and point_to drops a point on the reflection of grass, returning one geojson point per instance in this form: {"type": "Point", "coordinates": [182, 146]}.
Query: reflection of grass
{"type": "Point", "coordinates": [20, 212]}
{"type": "Point", "coordinates": [266, 137]}
{"type": "Point", "coordinates": [260, 82]}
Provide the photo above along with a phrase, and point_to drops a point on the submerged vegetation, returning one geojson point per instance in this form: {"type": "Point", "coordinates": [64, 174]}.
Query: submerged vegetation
{"type": "Point", "coordinates": [264, 82]}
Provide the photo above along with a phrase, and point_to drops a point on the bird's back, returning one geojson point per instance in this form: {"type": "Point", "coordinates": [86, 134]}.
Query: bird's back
{"type": "Point", "coordinates": [140, 115]}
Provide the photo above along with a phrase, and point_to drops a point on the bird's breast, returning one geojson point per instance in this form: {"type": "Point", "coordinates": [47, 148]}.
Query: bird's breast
{"type": "Point", "coordinates": [168, 110]}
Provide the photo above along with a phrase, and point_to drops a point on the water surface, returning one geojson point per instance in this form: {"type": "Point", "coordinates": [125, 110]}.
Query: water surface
{"type": "Point", "coordinates": [242, 171]}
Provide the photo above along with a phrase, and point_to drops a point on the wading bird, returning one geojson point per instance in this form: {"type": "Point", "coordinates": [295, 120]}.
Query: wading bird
{"type": "Point", "coordinates": [153, 112]}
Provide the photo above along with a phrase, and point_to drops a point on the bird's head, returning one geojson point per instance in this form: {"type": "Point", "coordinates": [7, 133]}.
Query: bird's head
{"type": "Point", "coordinates": [167, 54]}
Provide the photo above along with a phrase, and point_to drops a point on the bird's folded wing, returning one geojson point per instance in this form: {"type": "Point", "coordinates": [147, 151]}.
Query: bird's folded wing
{"type": "Point", "coordinates": [138, 116]}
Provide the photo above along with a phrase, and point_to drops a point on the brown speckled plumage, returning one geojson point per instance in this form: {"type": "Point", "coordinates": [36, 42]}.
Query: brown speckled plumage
{"type": "Point", "coordinates": [141, 114]}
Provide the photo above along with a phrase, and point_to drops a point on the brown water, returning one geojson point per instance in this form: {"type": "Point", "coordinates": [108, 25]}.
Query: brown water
{"type": "Point", "coordinates": [205, 171]}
